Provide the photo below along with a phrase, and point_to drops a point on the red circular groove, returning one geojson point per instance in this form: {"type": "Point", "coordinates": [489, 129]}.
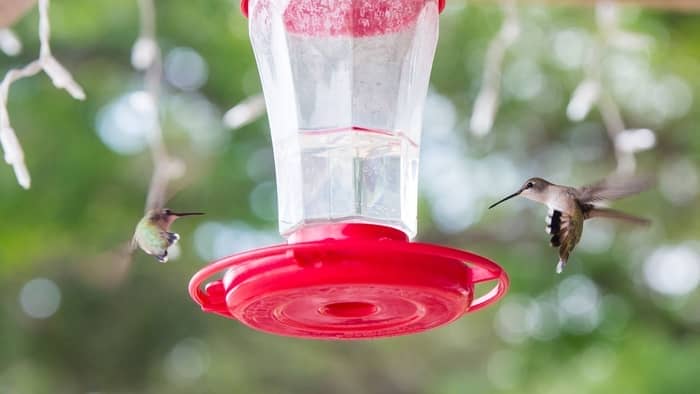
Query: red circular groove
{"type": "Point", "coordinates": [347, 286]}
{"type": "Point", "coordinates": [349, 309]}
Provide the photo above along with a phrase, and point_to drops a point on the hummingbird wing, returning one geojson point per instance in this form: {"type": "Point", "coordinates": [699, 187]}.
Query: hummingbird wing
{"type": "Point", "coordinates": [133, 245]}
{"type": "Point", "coordinates": [591, 211]}
{"type": "Point", "coordinates": [612, 188]}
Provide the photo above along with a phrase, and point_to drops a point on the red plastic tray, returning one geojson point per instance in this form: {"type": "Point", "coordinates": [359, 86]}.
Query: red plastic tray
{"type": "Point", "coordinates": [361, 281]}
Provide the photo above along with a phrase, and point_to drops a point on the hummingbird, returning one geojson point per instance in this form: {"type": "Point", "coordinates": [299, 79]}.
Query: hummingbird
{"type": "Point", "coordinates": [569, 207]}
{"type": "Point", "coordinates": [152, 234]}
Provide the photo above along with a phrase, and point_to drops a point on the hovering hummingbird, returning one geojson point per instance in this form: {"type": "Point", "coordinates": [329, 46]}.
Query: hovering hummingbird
{"type": "Point", "coordinates": [570, 206]}
{"type": "Point", "coordinates": [152, 234]}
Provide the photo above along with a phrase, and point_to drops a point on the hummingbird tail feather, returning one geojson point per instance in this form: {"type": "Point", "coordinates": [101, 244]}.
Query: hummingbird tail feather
{"type": "Point", "coordinates": [163, 258]}
{"type": "Point", "coordinates": [560, 266]}
{"type": "Point", "coordinates": [173, 238]}
{"type": "Point", "coordinates": [608, 213]}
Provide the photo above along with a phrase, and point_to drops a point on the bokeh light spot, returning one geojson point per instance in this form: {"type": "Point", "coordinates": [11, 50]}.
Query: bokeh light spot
{"type": "Point", "coordinates": [185, 69]}
{"type": "Point", "coordinates": [187, 361]}
{"type": "Point", "coordinates": [263, 201]}
{"type": "Point", "coordinates": [40, 298]}
{"type": "Point", "coordinates": [214, 240]}
{"type": "Point", "coordinates": [673, 270]}
{"type": "Point", "coordinates": [570, 47]}
{"type": "Point", "coordinates": [679, 181]}
{"type": "Point", "coordinates": [579, 304]}
{"type": "Point", "coordinates": [125, 123]}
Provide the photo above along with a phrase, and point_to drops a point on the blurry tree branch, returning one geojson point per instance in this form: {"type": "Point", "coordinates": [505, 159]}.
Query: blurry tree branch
{"type": "Point", "coordinates": [61, 78]}
{"type": "Point", "coordinates": [590, 92]}
{"type": "Point", "coordinates": [487, 101]}
{"type": "Point", "coordinates": [146, 55]}
{"type": "Point", "coordinates": [245, 112]}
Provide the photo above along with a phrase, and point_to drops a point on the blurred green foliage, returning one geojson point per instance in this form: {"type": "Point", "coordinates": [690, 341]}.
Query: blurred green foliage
{"type": "Point", "coordinates": [130, 331]}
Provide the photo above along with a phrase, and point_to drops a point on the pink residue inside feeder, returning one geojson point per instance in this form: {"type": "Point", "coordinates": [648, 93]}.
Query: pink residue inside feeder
{"type": "Point", "coordinates": [350, 17]}
{"type": "Point", "coordinates": [356, 18]}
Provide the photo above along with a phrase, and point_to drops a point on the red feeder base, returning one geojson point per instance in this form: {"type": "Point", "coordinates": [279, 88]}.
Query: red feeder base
{"type": "Point", "coordinates": [347, 281]}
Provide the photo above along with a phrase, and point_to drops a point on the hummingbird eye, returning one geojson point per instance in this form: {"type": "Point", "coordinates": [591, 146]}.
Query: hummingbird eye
{"type": "Point", "coordinates": [530, 185]}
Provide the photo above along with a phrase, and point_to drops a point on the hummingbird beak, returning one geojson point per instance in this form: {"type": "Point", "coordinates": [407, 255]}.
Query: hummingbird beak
{"type": "Point", "coordinates": [507, 198]}
{"type": "Point", "coordinates": [181, 214]}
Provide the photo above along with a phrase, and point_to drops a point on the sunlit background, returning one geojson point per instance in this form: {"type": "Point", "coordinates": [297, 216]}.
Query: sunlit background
{"type": "Point", "coordinates": [624, 317]}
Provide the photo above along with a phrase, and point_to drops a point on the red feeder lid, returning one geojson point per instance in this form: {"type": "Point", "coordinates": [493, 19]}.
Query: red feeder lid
{"type": "Point", "coordinates": [244, 6]}
{"type": "Point", "coordinates": [347, 281]}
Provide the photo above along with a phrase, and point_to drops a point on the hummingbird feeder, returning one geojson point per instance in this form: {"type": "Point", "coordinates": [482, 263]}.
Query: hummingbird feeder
{"type": "Point", "coordinates": [345, 82]}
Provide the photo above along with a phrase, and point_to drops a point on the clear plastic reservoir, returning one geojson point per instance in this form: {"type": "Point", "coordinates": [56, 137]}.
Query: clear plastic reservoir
{"type": "Point", "coordinates": [344, 83]}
